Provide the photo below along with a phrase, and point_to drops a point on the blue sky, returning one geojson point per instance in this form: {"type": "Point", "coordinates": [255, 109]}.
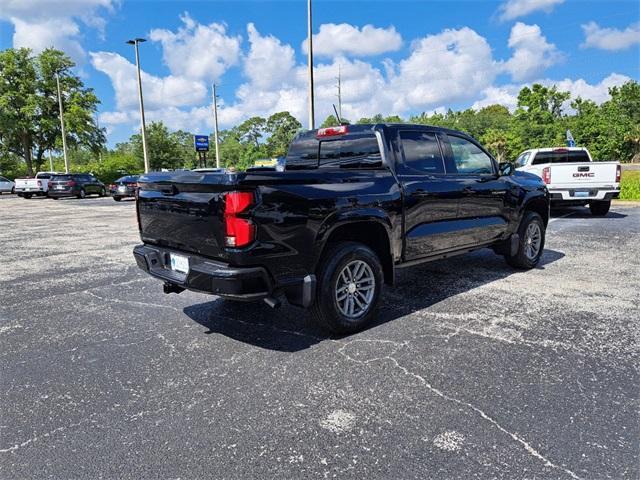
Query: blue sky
{"type": "Point", "coordinates": [399, 57]}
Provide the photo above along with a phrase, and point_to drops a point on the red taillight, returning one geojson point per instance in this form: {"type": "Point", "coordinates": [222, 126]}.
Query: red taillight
{"type": "Point", "coordinates": [332, 131]}
{"type": "Point", "coordinates": [112, 187]}
{"type": "Point", "coordinates": [546, 175]}
{"type": "Point", "coordinates": [618, 173]}
{"type": "Point", "coordinates": [71, 183]}
{"type": "Point", "coordinates": [239, 231]}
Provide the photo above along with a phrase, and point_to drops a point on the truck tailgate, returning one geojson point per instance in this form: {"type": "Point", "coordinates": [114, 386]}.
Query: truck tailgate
{"type": "Point", "coordinates": [574, 175]}
{"type": "Point", "coordinates": [185, 211]}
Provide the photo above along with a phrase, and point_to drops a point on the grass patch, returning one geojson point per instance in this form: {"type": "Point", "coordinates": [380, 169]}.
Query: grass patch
{"type": "Point", "coordinates": [630, 185]}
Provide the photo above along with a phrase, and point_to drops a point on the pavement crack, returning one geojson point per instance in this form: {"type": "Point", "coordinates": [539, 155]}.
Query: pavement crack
{"type": "Point", "coordinates": [422, 380]}
{"type": "Point", "coordinates": [132, 302]}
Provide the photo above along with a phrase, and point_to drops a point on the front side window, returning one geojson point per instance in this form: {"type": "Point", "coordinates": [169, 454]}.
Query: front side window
{"type": "Point", "coordinates": [421, 151]}
{"type": "Point", "coordinates": [469, 158]}
{"type": "Point", "coordinates": [2, 179]}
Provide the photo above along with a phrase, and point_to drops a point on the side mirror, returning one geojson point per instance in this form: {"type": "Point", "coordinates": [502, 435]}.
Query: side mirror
{"type": "Point", "coordinates": [506, 169]}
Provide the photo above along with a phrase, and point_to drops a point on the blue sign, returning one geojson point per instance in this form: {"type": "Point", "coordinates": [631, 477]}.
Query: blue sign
{"type": "Point", "coordinates": [570, 141]}
{"type": "Point", "coordinates": [201, 143]}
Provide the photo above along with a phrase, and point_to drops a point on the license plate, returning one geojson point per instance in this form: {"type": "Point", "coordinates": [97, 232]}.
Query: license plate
{"type": "Point", "coordinates": [179, 263]}
{"type": "Point", "coordinates": [581, 194]}
{"type": "Point", "coordinates": [122, 189]}
{"type": "Point", "coordinates": [59, 187]}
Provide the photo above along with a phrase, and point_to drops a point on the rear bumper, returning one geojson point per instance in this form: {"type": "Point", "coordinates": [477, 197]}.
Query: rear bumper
{"type": "Point", "coordinates": [585, 194]}
{"type": "Point", "coordinates": [61, 193]}
{"type": "Point", "coordinates": [205, 275]}
{"type": "Point", "coordinates": [123, 194]}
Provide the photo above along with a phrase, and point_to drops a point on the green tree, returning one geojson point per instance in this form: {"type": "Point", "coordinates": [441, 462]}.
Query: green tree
{"type": "Point", "coordinates": [281, 128]}
{"type": "Point", "coordinates": [29, 123]}
{"type": "Point", "coordinates": [163, 147]}
{"type": "Point", "coordinates": [251, 131]}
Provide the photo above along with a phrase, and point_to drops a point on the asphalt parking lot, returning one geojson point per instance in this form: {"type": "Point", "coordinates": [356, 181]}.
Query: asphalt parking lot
{"type": "Point", "coordinates": [473, 370]}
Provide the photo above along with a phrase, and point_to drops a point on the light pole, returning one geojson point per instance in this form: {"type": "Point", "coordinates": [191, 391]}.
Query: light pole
{"type": "Point", "coordinates": [310, 66]}
{"type": "Point", "coordinates": [64, 136]}
{"type": "Point", "coordinates": [215, 125]}
{"type": "Point", "coordinates": [135, 43]}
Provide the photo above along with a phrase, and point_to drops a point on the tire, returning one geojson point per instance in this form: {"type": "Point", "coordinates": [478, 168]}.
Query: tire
{"type": "Point", "coordinates": [27, 195]}
{"type": "Point", "coordinates": [82, 194]}
{"type": "Point", "coordinates": [529, 250]}
{"type": "Point", "coordinates": [117, 199]}
{"type": "Point", "coordinates": [55, 198]}
{"type": "Point", "coordinates": [332, 314]}
{"type": "Point", "coordinates": [600, 209]}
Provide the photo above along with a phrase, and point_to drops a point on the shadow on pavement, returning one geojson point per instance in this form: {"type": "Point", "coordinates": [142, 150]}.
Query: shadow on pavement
{"type": "Point", "coordinates": [290, 329]}
{"type": "Point", "coordinates": [581, 212]}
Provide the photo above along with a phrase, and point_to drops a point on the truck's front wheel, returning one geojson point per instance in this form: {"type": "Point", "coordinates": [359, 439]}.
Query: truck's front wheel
{"type": "Point", "coordinates": [600, 209]}
{"type": "Point", "coordinates": [531, 242]}
{"type": "Point", "coordinates": [349, 285]}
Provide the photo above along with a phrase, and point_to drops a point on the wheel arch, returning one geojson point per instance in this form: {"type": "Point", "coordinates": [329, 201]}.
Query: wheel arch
{"type": "Point", "coordinates": [370, 230]}
{"type": "Point", "coordinates": [540, 205]}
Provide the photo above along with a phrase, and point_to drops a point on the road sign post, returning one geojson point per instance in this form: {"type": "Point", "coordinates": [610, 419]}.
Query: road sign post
{"type": "Point", "coordinates": [201, 144]}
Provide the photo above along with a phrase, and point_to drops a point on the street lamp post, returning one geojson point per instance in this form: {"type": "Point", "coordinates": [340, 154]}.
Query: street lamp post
{"type": "Point", "coordinates": [310, 66]}
{"type": "Point", "coordinates": [135, 43]}
{"type": "Point", "coordinates": [215, 125]}
{"type": "Point", "coordinates": [64, 136]}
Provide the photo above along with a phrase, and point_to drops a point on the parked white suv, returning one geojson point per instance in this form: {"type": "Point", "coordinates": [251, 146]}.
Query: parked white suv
{"type": "Point", "coordinates": [573, 178]}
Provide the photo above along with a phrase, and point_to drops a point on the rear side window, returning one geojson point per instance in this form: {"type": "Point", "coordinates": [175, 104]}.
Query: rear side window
{"type": "Point", "coordinates": [561, 156]}
{"type": "Point", "coordinates": [350, 153]}
{"type": "Point", "coordinates": [421, 151]}
{"type": "Point", "coordinates": [469, 158]}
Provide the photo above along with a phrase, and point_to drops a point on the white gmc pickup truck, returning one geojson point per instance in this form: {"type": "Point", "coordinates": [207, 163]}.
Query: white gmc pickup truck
{"type": "Point", "coordinates": [573, 178]}
{"type": "Point", "coordinates": [28, 187]}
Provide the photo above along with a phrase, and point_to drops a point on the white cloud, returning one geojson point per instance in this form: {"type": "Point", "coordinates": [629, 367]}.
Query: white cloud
{"type": "Point", "coordinates": [598, 92]}
{"type": "Point", "coordinates": [451, 66]}
{"type": "Point", "coordinates": [202, 52]}
{"type": "Point", "coordinates": [334, 40]}
{"type": "Point", "coordinates": [269, 62]}
{"type": "Point", "coordinates": [610, 38]}
{"type": "Point", "coordinates": [507, 95]}
{"type": "Point", "coordinates": [39, 24]}
{"type": "Point", "coordinates": [512, 9]}
{"type": "Point", "coordinates": [170, 91]}
{"type": "Point", "coordinates": [532, 53]}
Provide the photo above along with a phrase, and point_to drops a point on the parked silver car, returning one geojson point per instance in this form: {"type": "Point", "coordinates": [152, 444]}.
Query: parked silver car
{"type": "Point", "coordinates": [6, 185]}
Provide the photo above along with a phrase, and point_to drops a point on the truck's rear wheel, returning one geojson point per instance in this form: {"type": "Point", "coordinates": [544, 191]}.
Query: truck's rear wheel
{"type": "Point", "coordinates": [600, 208]}
{"type": "Point", "coordinates": [531, 244]}
{"type": "Point", "coordinates": [27, 195]}
{"type": "Point", "coordinates": [349, 285]}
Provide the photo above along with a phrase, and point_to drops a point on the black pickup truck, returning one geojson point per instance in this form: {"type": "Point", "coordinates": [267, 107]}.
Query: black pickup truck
{"type": "Point", "coordinates": [353, 204]}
